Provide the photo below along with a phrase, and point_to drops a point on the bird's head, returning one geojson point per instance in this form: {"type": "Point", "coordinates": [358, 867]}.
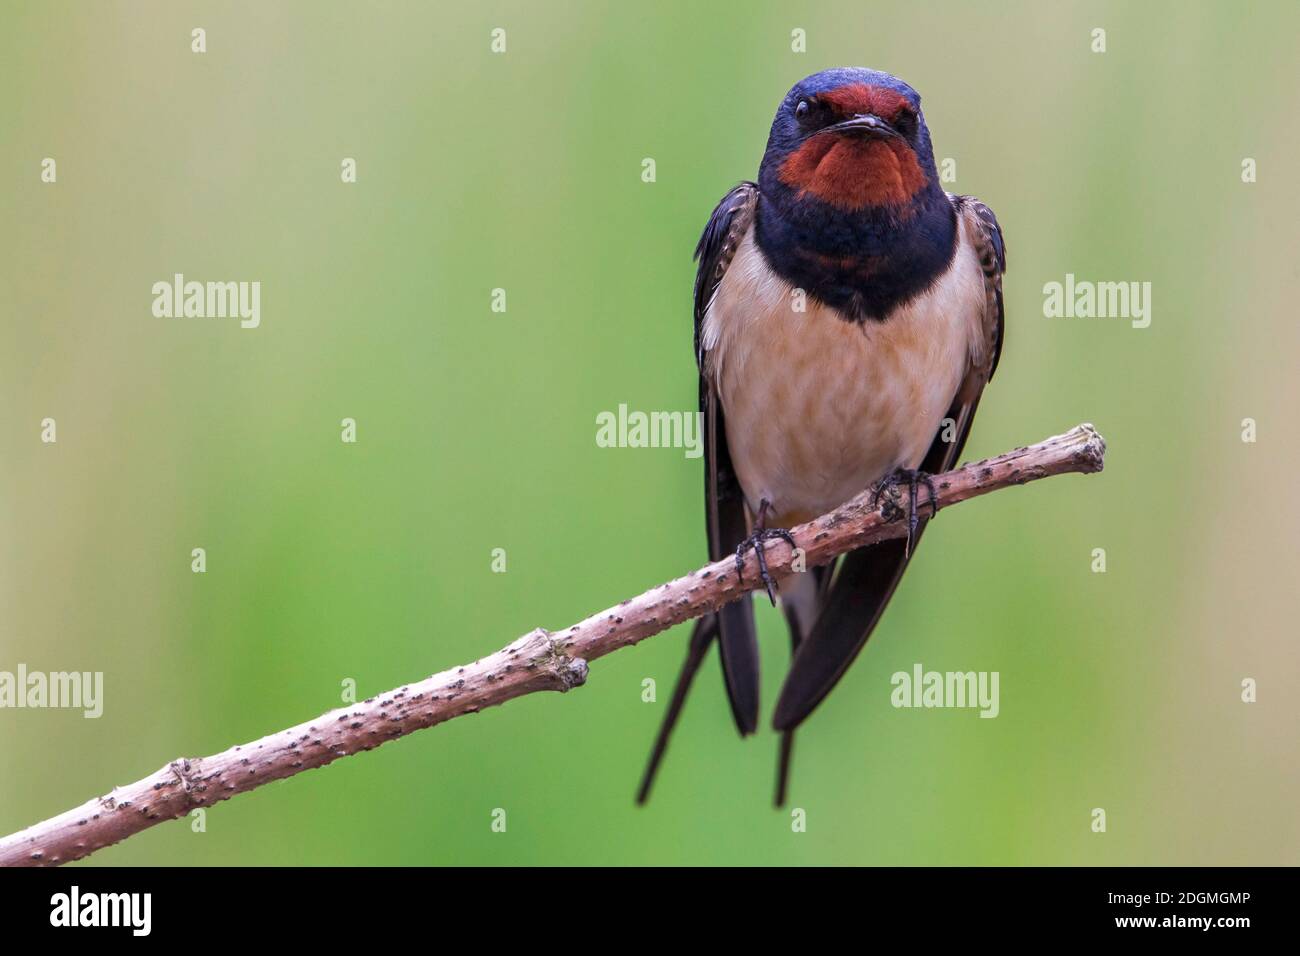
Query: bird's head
{"type": "Point", "coordinates": [848, 141]}
{"type": "Point", "coordinates": [850, 205]}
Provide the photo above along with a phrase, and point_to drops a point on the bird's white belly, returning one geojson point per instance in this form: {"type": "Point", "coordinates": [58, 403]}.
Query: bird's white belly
{"type": "Point", "coordinates": [818, 408]}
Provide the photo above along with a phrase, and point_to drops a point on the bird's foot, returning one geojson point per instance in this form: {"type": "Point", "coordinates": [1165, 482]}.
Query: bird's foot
{"type": "Point", "coordinates": [756, 542]}
{"type": "Point", "coordinates": [890, 510]}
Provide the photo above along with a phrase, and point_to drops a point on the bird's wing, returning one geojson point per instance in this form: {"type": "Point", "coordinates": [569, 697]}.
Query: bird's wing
{"type": "Point", "coordinates": [724, 502]}
{"type": "Point", "coordinates": [986, 234]}
{"type": "Point", "coordinates": [867, 577]}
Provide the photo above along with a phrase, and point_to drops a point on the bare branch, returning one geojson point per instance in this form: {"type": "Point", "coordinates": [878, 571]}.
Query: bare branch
{"type": "Point", "coordinates": [535, 662]}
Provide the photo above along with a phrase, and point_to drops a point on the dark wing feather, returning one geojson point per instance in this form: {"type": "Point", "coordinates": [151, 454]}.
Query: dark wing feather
{"type": "Point", "coordinates": [801, 597]}
{"type": "Point", "coordinates": [867, 578]}
{"type": "Point", "coordinates": [724, 501]}
{"type": "Point", "coordinates": [725, 505]}
{"type": "Point", "coordinates": [706, 629]}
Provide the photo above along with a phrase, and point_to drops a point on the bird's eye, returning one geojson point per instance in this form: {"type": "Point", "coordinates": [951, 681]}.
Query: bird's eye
{"type": "Point", "coordinates": [801, 111]}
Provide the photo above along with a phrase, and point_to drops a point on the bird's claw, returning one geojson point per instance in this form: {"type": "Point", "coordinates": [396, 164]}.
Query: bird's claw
{"type": "Point", "coordinates": [756, 541]}
{"type": "Point", "coordinates": [914, 479]}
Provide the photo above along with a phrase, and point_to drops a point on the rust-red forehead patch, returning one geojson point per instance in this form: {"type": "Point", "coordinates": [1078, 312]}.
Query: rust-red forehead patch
{"type": "Point", "coordinates": [865, 98]}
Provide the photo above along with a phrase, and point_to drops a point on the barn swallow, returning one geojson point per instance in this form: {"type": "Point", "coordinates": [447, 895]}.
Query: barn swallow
{"type": "Point", "coordinates": [848, 314]}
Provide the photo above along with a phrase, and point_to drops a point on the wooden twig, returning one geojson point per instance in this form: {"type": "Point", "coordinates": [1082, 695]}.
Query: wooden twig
{"type": "Point", "coordinates": [540, 660]}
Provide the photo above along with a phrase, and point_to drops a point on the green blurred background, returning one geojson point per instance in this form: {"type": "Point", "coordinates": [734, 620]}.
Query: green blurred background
{"type": "Point", "coordinates": [476, 429]}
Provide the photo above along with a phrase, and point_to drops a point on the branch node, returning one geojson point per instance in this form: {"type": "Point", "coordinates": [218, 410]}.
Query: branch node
{"type": "Point", "coordinates": [190, 777]}
{"type": "Point", "coordinates": [569, 671]}
{"type": "Point", "coordinates": [1092, 456]}
{"type": "Point", "coordinates": [573, 672]}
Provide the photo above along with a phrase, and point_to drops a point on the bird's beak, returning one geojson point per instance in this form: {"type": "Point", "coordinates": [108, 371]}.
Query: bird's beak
{"type": "Point", "coordinates": [865, 124]}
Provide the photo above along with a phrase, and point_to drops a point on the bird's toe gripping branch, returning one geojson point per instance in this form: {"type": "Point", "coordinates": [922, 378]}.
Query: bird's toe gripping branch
{"type": "Point", "coordinates": [756, 542]}
{"type": "Point", "coordinates": [890, 489]}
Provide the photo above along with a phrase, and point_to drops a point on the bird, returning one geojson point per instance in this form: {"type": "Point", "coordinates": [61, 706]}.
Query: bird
{"type": "Point", "coordinates": [848, 315]}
